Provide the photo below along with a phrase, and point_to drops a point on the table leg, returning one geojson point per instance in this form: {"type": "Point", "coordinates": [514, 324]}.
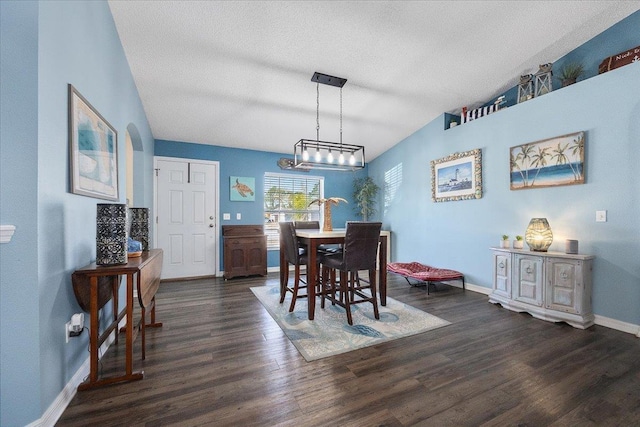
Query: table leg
{"type": "Point", "coordinates": [383, 270]}
{"type": "Point", "coordinates": [114, 290]}
{"type": "Point", "coordinates": [129, 334]}
{"type": "Point", "coordinates": [311, 277]}
{"type": "Point", "coordinates": [93, 336]}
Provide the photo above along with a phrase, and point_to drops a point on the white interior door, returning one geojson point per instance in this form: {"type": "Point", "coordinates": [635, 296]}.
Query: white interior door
{"type": "Point", "coordinates": [186, 217]}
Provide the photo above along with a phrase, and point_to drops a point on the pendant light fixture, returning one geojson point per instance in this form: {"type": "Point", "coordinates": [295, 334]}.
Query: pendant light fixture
{"type": "Point", "coordinates": [317, 154]}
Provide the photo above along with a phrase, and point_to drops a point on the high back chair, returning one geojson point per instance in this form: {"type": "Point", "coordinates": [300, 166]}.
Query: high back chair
{"type": "Point", "coordinates": [294, 255]}
{"type": "Point", "coordinates": [359, 253]}
{"type": "Point", "coordinates": [307, 225]}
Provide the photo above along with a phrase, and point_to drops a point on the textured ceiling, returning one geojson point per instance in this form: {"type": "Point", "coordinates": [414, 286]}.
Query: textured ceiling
{"type": "Point", "coordinates": [237, 74]}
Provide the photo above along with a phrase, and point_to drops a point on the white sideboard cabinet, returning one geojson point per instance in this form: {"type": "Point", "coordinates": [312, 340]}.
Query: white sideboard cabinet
{"type": "Point", "coordinates": [550, 286]}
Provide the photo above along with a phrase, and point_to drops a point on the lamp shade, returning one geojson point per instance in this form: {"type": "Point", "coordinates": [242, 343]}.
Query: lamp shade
{"type": "Point", "coordinates": [538, 235]}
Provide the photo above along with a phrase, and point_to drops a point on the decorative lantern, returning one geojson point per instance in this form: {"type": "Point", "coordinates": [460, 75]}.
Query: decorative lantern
{"type": "Point", "coordinates": [538, 235]}
{"type": "Point", "coordinates": [139, 228]}
{"type": "Point", "coordinates": [111, 234]}
{"type": "Point", "coordinates": [525, 88]}
{"type": "Point", "coordinates": [543, 79]}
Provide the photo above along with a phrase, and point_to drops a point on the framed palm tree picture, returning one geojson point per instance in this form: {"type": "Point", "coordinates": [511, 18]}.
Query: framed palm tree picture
{"type": "Point", "coordinates": [548, 163]}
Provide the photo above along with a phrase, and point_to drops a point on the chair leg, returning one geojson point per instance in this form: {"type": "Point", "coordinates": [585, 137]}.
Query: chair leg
{"type": "Point", "coordinates": [348, 282]}
{"type": "Point", "coordinates": [374, 294]}
{"type": "Point", "coordinates": [283, 286]}
{"type": "Point", "coordinates": [323, 285]}
{"type": "Point", "coordinates": [296, 285]}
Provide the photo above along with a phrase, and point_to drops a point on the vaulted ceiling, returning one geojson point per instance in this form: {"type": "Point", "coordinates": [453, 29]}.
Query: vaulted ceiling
{"type": "Point", "coordinates": [237, 73]}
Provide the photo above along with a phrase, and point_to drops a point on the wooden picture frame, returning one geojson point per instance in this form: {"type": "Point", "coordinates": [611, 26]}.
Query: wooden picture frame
{"type": "Point", "coordinates": [457, 177]}
{"type": "Point", "coordinates": [550, 162]}
{"type": "Point", "coordinates": [93, 147]}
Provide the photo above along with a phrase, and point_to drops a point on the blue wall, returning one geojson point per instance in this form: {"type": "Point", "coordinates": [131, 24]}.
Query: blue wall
{"type": "Point", "coordinates": [458, 234]}
{"type": "Point", "coordinates": [45, 46]}
{"type": "Point", "coordinates": [251, 163]}
{"type": "Point", "coordinates": [19, 294]}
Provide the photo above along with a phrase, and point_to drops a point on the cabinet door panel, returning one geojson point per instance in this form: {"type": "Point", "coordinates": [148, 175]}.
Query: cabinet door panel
{"type": "Point", "coordinates": [564, 282]}
{"type": "Point", "coordinates": [527, 280]}
{"type": "Point", "coordinates": [502, 273]}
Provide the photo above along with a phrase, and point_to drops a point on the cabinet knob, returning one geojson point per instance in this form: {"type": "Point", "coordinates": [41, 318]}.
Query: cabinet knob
{"type": "Point", "coordinates": [210, 225]}
{"type": "Point", "coordinates": [528, 270]}
{"type": "Point", "coordinates": [501, 265]}
{"type": "Point", "coordinates": [211, 217]}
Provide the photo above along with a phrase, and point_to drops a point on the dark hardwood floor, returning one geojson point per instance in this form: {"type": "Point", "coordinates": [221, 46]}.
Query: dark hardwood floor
{"type": "Point", "coordinates": [220, 359]}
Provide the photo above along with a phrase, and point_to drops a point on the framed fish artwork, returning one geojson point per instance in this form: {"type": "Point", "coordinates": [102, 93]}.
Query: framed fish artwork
{"type": "Point", "coordinates": [242, 189]}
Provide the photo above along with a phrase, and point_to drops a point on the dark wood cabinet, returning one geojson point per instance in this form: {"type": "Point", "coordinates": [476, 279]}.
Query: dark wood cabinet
{"type": "Point", "coordinates": [245, 250]}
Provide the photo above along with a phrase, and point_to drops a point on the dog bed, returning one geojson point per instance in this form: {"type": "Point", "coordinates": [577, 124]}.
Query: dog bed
{"type": "Point", "coordinates": [425, 274]}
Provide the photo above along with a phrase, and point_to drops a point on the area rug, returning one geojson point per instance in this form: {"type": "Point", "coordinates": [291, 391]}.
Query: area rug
{"type": "Point", "coordinates": [330, 334]}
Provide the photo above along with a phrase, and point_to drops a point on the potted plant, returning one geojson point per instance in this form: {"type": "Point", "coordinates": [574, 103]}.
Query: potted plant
{"type": "Point", "coordinates": [504, 243]}
{"type": "Point", "coordinates": [364, 193]}
{"type": "Point", "coordinates": [570, 73]}
{"type": "Point", "coordinates": [518, 243]}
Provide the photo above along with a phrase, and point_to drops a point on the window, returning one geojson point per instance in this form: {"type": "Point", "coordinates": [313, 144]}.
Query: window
{"type": "Point", "coordinates": [392, 182]}
{"type": "Point", "coordinates": [287, 198]}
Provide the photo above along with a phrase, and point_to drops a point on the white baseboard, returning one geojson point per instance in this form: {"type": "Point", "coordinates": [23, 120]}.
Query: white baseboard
{"type": "Point", "coordinates": [60, 403]}
{"type": "Point", "coordinates": [618, 325]}
{"type": "Point", "coordinates": [469, 287]}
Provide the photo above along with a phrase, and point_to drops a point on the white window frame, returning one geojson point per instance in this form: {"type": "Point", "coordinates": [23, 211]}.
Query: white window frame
{"type": "Point", "coordinates": [272, 217]}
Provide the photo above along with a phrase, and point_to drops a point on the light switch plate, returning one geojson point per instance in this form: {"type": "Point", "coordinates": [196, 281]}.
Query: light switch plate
{"type": "Point", "coordinates": [238, 216]}
{"type": "Point", "coordinates": [226, 216]}
{"type": "Point", "coordinates": [601, 216]}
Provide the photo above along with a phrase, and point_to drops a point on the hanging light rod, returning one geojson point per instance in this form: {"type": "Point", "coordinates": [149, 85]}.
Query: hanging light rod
{"type": "Point", "coordinates": [317, 154]}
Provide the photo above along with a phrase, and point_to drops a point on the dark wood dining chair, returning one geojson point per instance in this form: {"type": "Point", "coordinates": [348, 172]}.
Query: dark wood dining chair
{"type": "Point", "coordinates": [307, 225]}
{"type": "Point", "coordinates": [359, 253]}
{"type": "Point", "coordinates": [296, 256]}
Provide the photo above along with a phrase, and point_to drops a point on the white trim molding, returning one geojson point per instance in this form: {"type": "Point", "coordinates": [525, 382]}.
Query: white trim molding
{"type": "Point", "coordinates": [6, 232]}
{"type": "Point", "coordinates": [60, 403]}
{"type": "Point", "coordinates": [619, 325]}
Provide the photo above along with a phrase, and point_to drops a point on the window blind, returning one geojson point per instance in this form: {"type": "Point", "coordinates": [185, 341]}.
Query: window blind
{"type": "Point", "coordinates": [287, 198]}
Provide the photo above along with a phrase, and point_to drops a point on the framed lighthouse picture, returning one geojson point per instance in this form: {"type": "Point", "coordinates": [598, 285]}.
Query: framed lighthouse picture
{"type": "Point", "coordinates": [457, 177]}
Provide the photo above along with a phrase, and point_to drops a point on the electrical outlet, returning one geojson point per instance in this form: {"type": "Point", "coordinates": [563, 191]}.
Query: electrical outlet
{"type": "Point", "coordinates": [601, 216]}
{"type": "Point", "coordinates": [67, 328]}
{"type": "Point", "coordinates": [238, 216]}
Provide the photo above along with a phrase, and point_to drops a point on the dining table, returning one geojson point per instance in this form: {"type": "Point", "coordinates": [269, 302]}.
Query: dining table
{"type": "Point", "coordinates": [313, 238]}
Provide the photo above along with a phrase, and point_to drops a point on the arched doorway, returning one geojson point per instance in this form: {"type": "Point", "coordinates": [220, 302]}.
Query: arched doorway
{"type": "Point", "coordinates": [134, 166]}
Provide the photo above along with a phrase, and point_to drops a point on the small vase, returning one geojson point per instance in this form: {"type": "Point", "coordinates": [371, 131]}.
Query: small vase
{"type": "Point", "coordinates": [504, 244]}
{"type": "Point", "coordinates": [518, 244]}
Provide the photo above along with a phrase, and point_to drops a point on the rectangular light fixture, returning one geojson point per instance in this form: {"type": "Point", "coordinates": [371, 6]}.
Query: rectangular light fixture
{"type": "Point", "coordinates": [313, 154]}
{"type": "Point", "coordinates": [316, 154]}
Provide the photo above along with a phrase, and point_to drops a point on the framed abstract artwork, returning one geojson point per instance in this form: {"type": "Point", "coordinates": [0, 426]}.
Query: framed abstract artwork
{"type": "Point", "coordinates": [242, 189]}
{"type": "Point", "coordinates": [457, 177]}
{"type": "Point", "coordinates": [93, 146]}
{"type": "Point", "coordinates": [548, 163]}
